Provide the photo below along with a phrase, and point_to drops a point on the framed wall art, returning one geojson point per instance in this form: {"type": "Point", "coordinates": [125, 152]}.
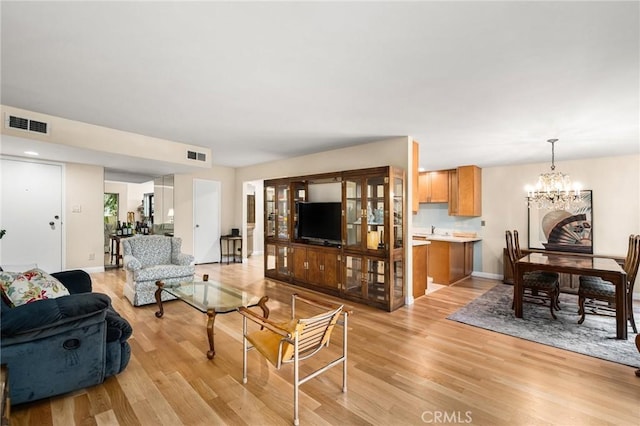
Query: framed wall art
{"type": "Point", "coordinates": [569, 230]}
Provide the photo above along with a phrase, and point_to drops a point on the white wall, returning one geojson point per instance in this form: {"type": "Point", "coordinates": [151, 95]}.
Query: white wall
{"type": "Point", "coordinates": [231, 217]}
{"type": "Point", "coordinates": [615, 182]}
{"type": "Point", "coordinates": [84, 213]}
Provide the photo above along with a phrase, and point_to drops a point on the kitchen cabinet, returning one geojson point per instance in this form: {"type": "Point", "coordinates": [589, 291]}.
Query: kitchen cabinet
{"type": "Point", "coordinates": [318, 266]}
{"type": "Point", "coordinates": [450, 262]}
{"type": "Point", "coordinates": [465, 191]}
{"type": "Point", "coordinates": [420, 269]}
{"type": "Point", "coordinates": [434, 186]}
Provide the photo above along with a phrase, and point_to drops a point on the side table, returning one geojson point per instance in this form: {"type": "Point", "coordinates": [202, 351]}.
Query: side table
{"type": "Point", "coordinates": [231, 240]}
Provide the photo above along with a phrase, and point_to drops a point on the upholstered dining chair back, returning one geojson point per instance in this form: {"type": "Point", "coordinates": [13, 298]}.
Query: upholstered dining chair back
{"type": "Point", "coordinates": [594, 290]}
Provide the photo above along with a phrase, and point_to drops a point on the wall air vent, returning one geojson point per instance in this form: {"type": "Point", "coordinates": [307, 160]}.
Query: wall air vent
{"type": "Point", "coordinates": [21, 123]}
{"type": "Point", "coordinates": [198, 156]}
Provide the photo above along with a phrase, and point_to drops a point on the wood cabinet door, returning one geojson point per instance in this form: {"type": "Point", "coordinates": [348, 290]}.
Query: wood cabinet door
{"type": "Point", "coordinates": [315, 261]}
{"type": "Point", "coordinates": [331, 270]}
{"type": "Point", "coordinates": [439, 262]}
{"type": "Point", "coordinates": [433, 187]}
{"type": "Point", "coordinates": [469, 191]}
{"type": "Point", "coordinates": [298, 264]}
{"type": "Point", "coordinates": [419, 270]}
{"type": "Point", "coordinates": [424, 187]}
{"type": "Point", "coordinates": [453, 193]}
{"type": "Point", "coordinates": [439, 186]}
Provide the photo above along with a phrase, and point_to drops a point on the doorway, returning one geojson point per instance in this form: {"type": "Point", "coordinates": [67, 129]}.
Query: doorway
{"type": "Point", "coordinates": [206, 220]}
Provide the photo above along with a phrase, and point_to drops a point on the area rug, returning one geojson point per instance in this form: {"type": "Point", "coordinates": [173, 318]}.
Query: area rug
{"type": "Point", "coordinates": [595, 337]}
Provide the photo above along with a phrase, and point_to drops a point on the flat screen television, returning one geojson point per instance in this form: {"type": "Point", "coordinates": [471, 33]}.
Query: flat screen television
{"type": "Point", "coordinates": [319, 222]}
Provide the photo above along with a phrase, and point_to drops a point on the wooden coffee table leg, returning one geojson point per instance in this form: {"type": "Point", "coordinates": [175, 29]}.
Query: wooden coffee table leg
{"type": "Point", "coordinates": [160, 311]}
{"type": "Point", "coordinates": [212, 317]}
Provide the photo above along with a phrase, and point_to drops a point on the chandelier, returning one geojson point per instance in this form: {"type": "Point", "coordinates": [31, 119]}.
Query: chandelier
{"type": "Point", "coordinates": [554, 190]}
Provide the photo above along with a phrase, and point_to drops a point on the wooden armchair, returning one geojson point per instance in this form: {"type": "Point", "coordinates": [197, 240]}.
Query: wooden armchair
{"type": "Point", "coordinates": [597, 296]}
{"type": "Point", "coordinates": [295, 340]}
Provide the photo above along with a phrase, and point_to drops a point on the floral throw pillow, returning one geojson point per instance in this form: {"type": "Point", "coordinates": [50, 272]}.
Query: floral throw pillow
{"type": "Point", "coordinates": [19, 288]}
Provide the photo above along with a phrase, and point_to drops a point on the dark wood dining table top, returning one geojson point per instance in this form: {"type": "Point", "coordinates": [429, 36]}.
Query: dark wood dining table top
{"type": "Point", "coordinates": [606, 268]}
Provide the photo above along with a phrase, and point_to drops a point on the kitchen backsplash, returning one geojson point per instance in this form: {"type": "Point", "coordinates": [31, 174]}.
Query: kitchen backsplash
{"type": "Point", "coordinates": [438, 215]}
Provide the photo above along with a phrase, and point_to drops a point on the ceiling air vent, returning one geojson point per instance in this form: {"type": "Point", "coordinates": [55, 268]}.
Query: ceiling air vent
{"type": "Point", "coordinates": [38, 126]}
{"type": "Point", "coordinates": [21, 123]}
{"type": "Point", "coordinates": [198, 156]}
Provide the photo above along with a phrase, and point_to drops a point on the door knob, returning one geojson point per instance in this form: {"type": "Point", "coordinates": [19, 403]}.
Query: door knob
{"type": "Point", "coordinates": [51, 223]}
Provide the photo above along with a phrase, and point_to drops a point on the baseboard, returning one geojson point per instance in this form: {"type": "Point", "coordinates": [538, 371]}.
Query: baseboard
{"type": "Point", "coordinates": [487, 275]}
{"type": "Point", "coordinates": [92, 269]}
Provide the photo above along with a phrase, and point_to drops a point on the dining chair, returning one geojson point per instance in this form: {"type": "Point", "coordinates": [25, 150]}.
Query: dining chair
{"type": "Point", "coordinates": [296, 340]}
{"type": "Point", "coordinates": [535, 282]}
{"type": "Point", "coordinates": [520, 255]}
{"type": "Point", "coordinates": [597, 296]}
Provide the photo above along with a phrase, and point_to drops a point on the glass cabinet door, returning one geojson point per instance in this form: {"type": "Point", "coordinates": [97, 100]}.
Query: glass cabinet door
{"type": "Point", "coordinates": [397, 283]}
{"type": "Point", "coordinates": [282, 261]}
{"type": "Point", "coordinates": [299, 195]}
{"type": "Point", "coordinates": [375, 205]}
{"type": "Point", "coordinates": [270, 211]}
{"type": "Point", "coordinates": [375, 274]}
{"type": "Point", "coordinates": [353, 276]}
{"type": "Point", "coordinates": [270, 260]}
{"type": "Point", "coordinates": [397, 198]}
{"type": "Point", "coordinates": [276, 261]}
{"type": "Point", "coordinates": [353, 213]}
{"type": "Point", "coordinates": [282, 210]}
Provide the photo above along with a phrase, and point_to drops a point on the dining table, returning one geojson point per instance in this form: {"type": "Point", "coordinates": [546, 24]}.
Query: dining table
{"type": "Point", "coordinates": [606, 268]}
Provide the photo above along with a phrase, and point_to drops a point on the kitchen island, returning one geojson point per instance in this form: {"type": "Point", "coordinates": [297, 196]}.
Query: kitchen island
{"type": "Point", "coordinates": [450, 257]}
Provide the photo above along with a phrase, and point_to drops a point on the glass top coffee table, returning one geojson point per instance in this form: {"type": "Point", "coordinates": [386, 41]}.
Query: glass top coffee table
{"type": "Point", "coordinates": [211, 298]}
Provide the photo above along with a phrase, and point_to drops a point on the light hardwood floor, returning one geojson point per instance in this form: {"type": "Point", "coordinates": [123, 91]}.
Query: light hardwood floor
{"type": "Point", "coordinates": [409, 367]}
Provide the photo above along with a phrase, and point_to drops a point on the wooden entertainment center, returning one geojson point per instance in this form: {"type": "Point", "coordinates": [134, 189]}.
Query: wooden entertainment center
{"type": "Point", "coordinates": [367, 264]}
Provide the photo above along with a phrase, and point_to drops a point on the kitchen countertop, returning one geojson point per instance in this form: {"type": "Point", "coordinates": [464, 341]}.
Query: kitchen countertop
{"type": "Point", "coordinates": [420, 243]}
{"type": "Point", "coordinates": [447, 238]}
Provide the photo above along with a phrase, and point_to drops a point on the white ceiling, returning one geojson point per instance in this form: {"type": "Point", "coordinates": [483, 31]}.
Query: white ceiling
{"type": "Point", "coordinates": [483, 83]}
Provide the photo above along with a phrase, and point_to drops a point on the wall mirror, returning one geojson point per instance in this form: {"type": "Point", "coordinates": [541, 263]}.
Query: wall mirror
{"type": "Point", "coordinates": [163, 211]}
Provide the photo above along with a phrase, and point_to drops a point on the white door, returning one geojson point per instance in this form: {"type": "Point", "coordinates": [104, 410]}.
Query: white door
{"type": "Point", "coordinates": [206, 220]}
{"type": "Point", "coordinates": [31, 211]}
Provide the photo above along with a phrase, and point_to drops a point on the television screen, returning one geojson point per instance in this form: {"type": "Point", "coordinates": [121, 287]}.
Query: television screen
{"type": "Point", "coordinates": [321, 222]}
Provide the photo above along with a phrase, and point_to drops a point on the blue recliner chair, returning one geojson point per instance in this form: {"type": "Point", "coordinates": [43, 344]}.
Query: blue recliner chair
{"type": "Point", "coordinates": [55, 346]}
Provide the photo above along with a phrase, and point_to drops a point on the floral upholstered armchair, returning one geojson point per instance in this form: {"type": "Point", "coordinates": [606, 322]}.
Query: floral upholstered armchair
{"type": "Point", "coordinates": [150, 258]}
